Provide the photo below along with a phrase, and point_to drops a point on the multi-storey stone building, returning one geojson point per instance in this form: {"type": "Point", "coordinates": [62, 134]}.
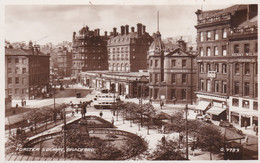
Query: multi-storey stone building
{"type": "Point", "coordinates": [27, 72]}
{"type": "Point", "coordinates": [227, 63]}
{"type": "Point", "coordinates": [64, 62]}
{"type": "Point", "coordinates": [172, 72]}
{"type": "Point", "coordinates": [89, 51]}
{"type": "Point", "coordinates": [127, 51]}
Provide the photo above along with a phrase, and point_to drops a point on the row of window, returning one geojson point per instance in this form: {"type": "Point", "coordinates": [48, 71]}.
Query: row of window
{"type": "Point", "coordinates": [172, 94]}
{"type": "Point", "coordinates": [82, 57]}
{"type": "Point", "coordinates": [17, 60]}
{"type": "Point", "coordinates": [237, 66]}
{"type": "Point", "coordinates": [237, 48]}
{"type": "Point", "coordinates": [215, 51]}
{"type": "Point", "coordinates": [93, 51]}
{"type": "Point", "coordinates": [114, 57]}
{"type": "Point", "coordinates": [16, 70]}
{"type": "Point", "coordinates": [173, 63]}
{"type": "Point", "coordinates": [212, 35]}
{"type": "Point", "coordinates": [245, 103]}
{"type": "Point", "coordinates": [173, 78]}
{"type": "Point", "coordinates": [118, 50]}
{"type": "Point", "coordinates": [86, 43]}
{"type": "Point", "coordinates": [209, 67]}
{"type": "Point", "coordinates": [206, 85]}
{"type": "Point", "coordinates": [16, 91]}
{"type": "Point", "coordinates": [246, 89]}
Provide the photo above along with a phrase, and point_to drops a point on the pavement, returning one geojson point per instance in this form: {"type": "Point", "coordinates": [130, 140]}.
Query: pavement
{"type": "Point", "coordinates": [152, 136]}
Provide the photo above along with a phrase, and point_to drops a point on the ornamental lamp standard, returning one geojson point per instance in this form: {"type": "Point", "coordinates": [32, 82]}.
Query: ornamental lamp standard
{"type": "Point", "coordinates": [186, 129]}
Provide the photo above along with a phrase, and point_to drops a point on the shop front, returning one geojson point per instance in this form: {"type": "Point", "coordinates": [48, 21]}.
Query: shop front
{"type": "Point", "coordinates": [234, 118]}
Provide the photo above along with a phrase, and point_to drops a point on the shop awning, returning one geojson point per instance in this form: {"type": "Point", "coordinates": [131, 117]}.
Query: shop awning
{"type": "Point", "coordinates": [215, 110]}
{"type": "Point", "coordinates": [202, 105]}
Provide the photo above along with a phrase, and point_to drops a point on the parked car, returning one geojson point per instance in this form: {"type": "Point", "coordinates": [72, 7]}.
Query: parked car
{"type": "Point", "coordinates": [230, 126]}
{"type": "Point", "coordinates": [225, 124]}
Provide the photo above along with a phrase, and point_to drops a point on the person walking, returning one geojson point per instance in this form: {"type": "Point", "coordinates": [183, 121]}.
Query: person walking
{"type": "Point", "coordinates": [101, 114]}
{"type": "Point", "coordinates": [256, 130]}
{"type": "Point", "coordinates": [246, 140]}
{"type": "Point", "coordinates": [112, 121]}
{"type": "Point", "coordinates": [245, 125]}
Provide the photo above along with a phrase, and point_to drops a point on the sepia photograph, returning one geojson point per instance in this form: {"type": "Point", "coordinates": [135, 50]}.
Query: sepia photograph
{"type": "Point", "coordinates": [130, 81]}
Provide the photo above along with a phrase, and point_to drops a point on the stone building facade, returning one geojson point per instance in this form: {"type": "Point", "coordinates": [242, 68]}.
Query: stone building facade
{"type": "Point", "coordinates": [227, 63]}
{"type": "Point", "coordinates": [27, 72]}
{"type": "Point", "coordinates": [172, 73]}
{"type": "Point", "coordinates": [127, 50]}
{"type": "Point", "coordinates": [64, 62]}
{"type": "Point", "coordinates": [89, 51]}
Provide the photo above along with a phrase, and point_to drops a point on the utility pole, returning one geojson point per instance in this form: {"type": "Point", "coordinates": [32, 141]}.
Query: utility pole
{"type": "Point", "coordinates": [186, 129]}
{"type": "Point", "coordinates": [64, 134]}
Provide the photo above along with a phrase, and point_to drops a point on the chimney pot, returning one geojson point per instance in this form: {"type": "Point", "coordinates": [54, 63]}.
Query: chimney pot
{"type": "Point", "coordinates": [122, 30]}
{"type": "Point", "coordinates": [126, 29]}
{"type": "Point", "coordinates": [144, 29]}
{"type": "Point", "coordinates": [114, 32]}
{"type": "Point", "coordinates": [132, 29]}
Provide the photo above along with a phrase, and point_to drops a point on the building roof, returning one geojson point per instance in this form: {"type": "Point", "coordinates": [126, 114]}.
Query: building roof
{"type": "Point", "coordinates": [12, 51]}
{"type": "Point", "coordinates": [157, 44]}
{"type": "Point", "coordinates": [249, 23]}
{"type": "Point", "coordinates": [230, 9]}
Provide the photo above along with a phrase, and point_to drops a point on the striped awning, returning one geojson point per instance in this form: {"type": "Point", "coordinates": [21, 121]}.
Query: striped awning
{"type": "Point", "coordinates": [202, 105]}
{"type": "Point", "coordinates": [216, 110]}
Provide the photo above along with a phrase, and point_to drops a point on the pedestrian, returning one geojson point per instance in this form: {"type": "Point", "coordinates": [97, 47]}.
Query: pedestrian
{"type": "Point", "coordinates": [83, 110]}
{"type": "Point", "coordinates": [72, 113]}
{"type": "Point", "coordinates": [181, 137]}
{"type": "Point", "coordinates": [245, 125]}
{"type": "Point", "coordinates": [101, 114]}
{"type": "Point", "coordinates": [163, 128]}
{"type": "Point", "coordinates": [246, 140]}
{"type": "Point", "coordinates": [112, 121]}
{"type": "Point", "coordinates": [256, 130]}
{"type": "Point", "coordinates": [253, 127]}
{"type": "Point", "coordinates": [193, 148]}
{"type": "Point", "coordinates": [22, 102]}
{"type": "Point", "coordinates": [55, 116]}
{"type": "Point", "coordinates": [163, 140]}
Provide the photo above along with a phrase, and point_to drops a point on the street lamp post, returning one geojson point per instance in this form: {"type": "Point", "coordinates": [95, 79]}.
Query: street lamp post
{"type": "Point", "coordinates": [186, 129]}
{"type": "Point", "coordinates": [64, 133]}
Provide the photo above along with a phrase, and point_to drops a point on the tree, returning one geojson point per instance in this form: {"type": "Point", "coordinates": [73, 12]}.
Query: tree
{"type": "Point", "coordinates": [14, 142]}
{"type": "Point", "coordinates": [134, 147]}
{"type": "Point", "coordinates": [177, 122]}
{"type": "Point", "coordinates": [167, 150]}
{"type": "Point", "coordinates": [209, 137]}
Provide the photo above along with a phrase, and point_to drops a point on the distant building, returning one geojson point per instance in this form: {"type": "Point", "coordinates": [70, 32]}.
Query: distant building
{"type": "Point", "coordinates": [127, 51]}
{"type": "Point", "coordinates": [172, 72]}
{"type": "Point", "coordinates": [227, 63]}
{"type": "Point", "coordinates": [130, 85]}
{"type": "Point", "coordinates": [64, 62]}
{"type": "Point", "coordinates": [89, 51]}
{"type": "Point", "coordinates": [27, 72]}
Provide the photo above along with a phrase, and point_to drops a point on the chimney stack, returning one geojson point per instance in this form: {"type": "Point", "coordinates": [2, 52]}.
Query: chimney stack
{"type": "Point", "coordinates": [139, 29]}
{"type": "Point", "coordinates": [144, 29]}
{"type": "Point", "coordinates": [114, 32]}
{"type": "Point", "coordinates": [132, 29]}
{"type": "Point", "coordinates": [182, 44]}
{"type": "Point", "coordinates": [126, 29]}
{"type": "Point", "coordinates": [98, 32]}
{"type": "Point", "coordinates": [105, 33]}
{"type": "Point", "coordinates": [122, 30]}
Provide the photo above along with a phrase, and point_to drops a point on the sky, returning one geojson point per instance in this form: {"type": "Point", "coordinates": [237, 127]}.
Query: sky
{"type": "Point", "coordinates": [56, 23]}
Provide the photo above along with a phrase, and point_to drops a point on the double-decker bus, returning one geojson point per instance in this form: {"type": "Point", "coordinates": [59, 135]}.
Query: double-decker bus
{"type": "Point", "coordinates": [105, 101]}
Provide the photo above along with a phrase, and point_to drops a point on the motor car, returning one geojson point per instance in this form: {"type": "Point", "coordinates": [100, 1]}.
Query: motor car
{"type": "Point", "coordinates": [225, 124]}
{"type": "Point", "coordinates": [230, 126]}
